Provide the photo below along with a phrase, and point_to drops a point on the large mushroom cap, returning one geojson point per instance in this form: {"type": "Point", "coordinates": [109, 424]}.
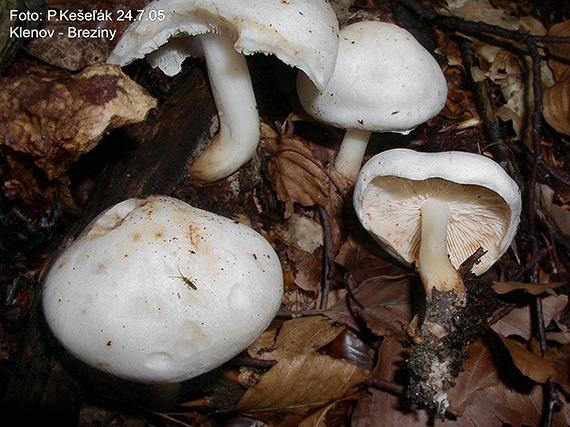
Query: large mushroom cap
{"type": "Point", "coordinates": [302, 33]}
{"type": "Point", "coordinates": [485, 203]}
{"type": "Point", "coordinates": [384, 81]}
{"type": "Point", "coordinates": [121, 298]}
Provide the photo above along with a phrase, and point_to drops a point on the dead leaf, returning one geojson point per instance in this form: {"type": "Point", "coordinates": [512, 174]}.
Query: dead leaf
{"type": "Point", "coordinates": [303, 335]}
{"type": "Point", "coordinates": [518, 321]}
{"type": "Point", "coordinates": [561, 218]}
{"type": "Point", "coordinates": [559, 53]}
{"type": "Point", "coordinates": [301, 232]}
{"type": "Point", "coordinates": [391, 358]}
{"type": "Point", "coordinates": [527, 406]}
{"type": "Point", "coordinates": [557, 104]}
{"type": "Point", "coordinates": [299, 177]}
{"type": "Point", "coordinates": [559, 359]}
{"type": "Point", "coordinates": [533, 289]}
{"type": "Point", "coordinates": [296, 387]}
{"type": "Point", "coordinates": [488, 411]}
{"type": "Point", "coordinates": [56, 119]}
{"type": "Point", "coordinates": [361, 257]}
{"type": "Point", "coordinates": [479, 373]}
{"type": "Point", "coordinates": [482, 11]}
{"type": "Point", "coordinates": [308, 269]}
{"type": "Point", "coordinates": [387, 305]}
{"type": "Point", "coordinates": [529, 364]}
{"type": "Point", "coordinates": [333, 415]}
{"type": "Point", "coordinates": [380, 409]}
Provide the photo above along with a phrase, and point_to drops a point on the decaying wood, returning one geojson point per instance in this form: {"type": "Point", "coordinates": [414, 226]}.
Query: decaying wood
{"type": "Point", "coordinates": [158, 153]}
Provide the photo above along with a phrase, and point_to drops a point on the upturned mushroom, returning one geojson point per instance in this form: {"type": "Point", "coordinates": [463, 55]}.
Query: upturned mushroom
{"type": "Point", "coordinates": [384, 81]}
{"type": "Point", "coordinates": [156, 291]}
{"type": "Point", "coordinates": [301, 33]}
{"type": "Point", "coordinates": [434, 210]}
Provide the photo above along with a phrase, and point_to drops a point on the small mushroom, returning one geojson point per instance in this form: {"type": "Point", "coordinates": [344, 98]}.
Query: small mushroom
{"type": "Point", "coordinates": [301, 33]}
{"type": "Point", "coordinates": [384, 81]}
{"type": "Point", "coordinates": [434, 210]}
{"type": "Point", "coordinates": [156, 291]}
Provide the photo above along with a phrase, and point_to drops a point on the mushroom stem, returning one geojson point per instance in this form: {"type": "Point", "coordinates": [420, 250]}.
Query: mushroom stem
{"type": "Point", "coordinates": [351, 153]}
{"type": "Point", "coordinates": [238, 133]}
{"type": "Point", "coordinates": [434, 265]}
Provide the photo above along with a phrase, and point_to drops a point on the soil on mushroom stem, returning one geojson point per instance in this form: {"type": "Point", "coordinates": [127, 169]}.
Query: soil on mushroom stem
{"type": "Point", "coordinates": [437, 349]}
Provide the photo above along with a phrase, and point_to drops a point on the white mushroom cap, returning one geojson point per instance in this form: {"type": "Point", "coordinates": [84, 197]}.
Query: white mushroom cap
{"type": "Point", "coordinates": [484, 203]}
{"type": "Point", "coordinates": [121, 298]}
{"type": "Point", "coordinates": [384, 81]}
{"type": "Point", "coordinates": [302, 33]}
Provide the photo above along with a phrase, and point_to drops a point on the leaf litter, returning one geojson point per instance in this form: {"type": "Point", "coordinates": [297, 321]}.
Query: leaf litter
{"type": "Point", "coordinates": [303, 369]}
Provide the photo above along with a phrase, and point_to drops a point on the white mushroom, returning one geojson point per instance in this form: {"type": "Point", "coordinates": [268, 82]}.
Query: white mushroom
{"type": "Point", "coordinates": [157, 291]}
{"type": "Point", "coordinates": [302, 33]}
{"type": "Point", "coordinates": [435, 210]}
{"type": "Point", "coordinates": [384, 81]}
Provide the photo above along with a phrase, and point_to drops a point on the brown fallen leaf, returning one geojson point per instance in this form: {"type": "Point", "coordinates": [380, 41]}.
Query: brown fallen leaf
{"type": "Point", "coordinates": [527, 406]}
{"type": "Point", "coordinates": [303, 335]}
{"type": "Point", "coordinates": [486, 410]}
{"type": "Point", "coordinates": [557, 104]}
{"type": "Point", "coordinates": [519, 322]}
{"type": "Point", "coordinates": [559, 53]}
{"type": "Point", "coordinates": [533, 289]}
{"type": "Point", "coordinates": [308, 269]}
{"type": "Point", "coordinates": [560, 361]}
{"type": "Point", "coordinates": [529, 364]}
{"type": "Point", "coordinates": [479, 373]}
{"type": "Point", "coordinates": [363, 258]}
{"type": "Point", "coordinates": [299, 177]}
{"type": "Point", "coordinates": [297, 387]}
{"type": "Point", "coordinates": [333, 415]}
{"type": "Point", "coordinates": [57, 119]}
{"type": "Point", "coordinates": [387, 305]}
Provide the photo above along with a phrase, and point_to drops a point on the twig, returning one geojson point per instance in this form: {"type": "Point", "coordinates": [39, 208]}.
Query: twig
{"type": "Point", "coordinates": [328, 257]}
{"type": "Point", "coordinates": [385, 385]}
{"type": "Point", "coordinates": [531, 265]}
{"type": "Point", "coordinates": [485, 108]}
{"type": "Point", "coordinates": [253, 362]}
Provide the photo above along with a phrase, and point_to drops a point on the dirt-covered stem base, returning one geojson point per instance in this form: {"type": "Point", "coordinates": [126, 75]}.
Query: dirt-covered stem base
{"type": "Point", "coordinates": [437, 347]}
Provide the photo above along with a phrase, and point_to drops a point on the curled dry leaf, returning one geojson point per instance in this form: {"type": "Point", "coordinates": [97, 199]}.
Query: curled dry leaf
{"type": "Point", "coordinates": [557, 104]}
{"type": "Point", "coordinates": [298, 176]}
{"type": "Point", "coordinates": [559, 53]}
{"type": "Point", "coordinates": [533, 289]}
{"type": "Point", "coordinates": [297, 387]}
{"type": "Point", "coordinates": [560, 361]}
{"type": "Point", "coordinates": [531, 365]}
{"type": "Point", "coordinates": [387, 305]}
{"type": "Point", "coordinates": [519, 322]}
{"type": "Point", "coordinates": [57, 119]}
{"type": "Point", "coordinates": [303, 335]}
{"type": "Point", "coordinates": [479, 372]}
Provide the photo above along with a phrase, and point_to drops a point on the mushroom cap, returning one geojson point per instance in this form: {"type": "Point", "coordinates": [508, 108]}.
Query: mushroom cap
{"type": "Point", "coordinates": [302, 33]}
{"type": "Point", "coordinates": [384, 81]}
{"type": "Point", "coordinates": [120, 298]}
{"type": "Point", "coordinates": [485, 203]}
